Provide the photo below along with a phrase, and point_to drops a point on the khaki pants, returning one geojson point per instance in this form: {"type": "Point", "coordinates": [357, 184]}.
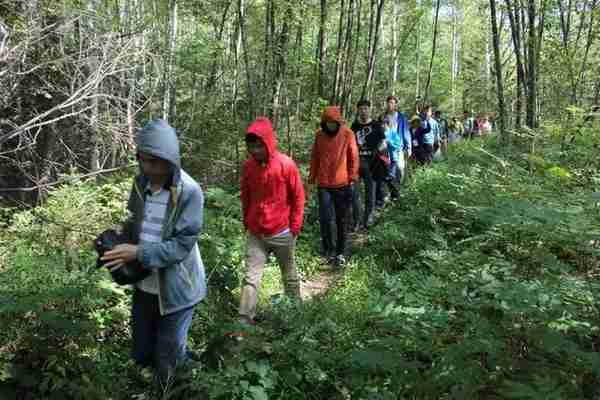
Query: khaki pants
{"type": "Point", "coordinates": [257, 252]}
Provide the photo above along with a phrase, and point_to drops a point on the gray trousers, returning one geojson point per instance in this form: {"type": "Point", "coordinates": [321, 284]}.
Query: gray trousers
{"type": "Point", "coordinates": [257, 253]}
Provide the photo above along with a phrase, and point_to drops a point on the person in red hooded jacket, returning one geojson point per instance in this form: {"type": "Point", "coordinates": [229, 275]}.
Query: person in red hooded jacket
{"type": "Point", "coordinates": [272, 198]}
{"type": "Point", "coordinates": [334, 168]}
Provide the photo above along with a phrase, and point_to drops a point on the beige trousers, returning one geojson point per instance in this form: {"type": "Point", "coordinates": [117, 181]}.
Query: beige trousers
{"type": "Point", "coordinates": [257, 253]}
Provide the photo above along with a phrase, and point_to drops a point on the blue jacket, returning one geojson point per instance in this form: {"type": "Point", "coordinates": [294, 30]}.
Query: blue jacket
{"type": "Point", "coordinates": [430, 129]}
{"type": "Point", "coordinates": [436, 129]}
{"type": "Point", "coordinates": [399, 138]}
{"type": "Point", "coordinates": [181, 276]}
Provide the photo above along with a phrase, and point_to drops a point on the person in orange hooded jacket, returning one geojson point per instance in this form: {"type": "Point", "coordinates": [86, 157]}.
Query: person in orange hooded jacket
{"type": "Point", "coordinates": [272, 198]}
{"type": "Point", "coordinates": [334, 168]}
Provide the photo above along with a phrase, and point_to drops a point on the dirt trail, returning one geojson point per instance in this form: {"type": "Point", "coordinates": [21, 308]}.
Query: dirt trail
{"type": "Point", "coordinates": [319, 284]}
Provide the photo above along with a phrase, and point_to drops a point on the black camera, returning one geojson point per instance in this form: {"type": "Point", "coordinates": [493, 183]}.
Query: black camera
{"type": "Point", "coordinates": [126, 274]}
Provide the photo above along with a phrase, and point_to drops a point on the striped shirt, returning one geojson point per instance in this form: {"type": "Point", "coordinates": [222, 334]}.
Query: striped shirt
{"type": "Point", "coordinates": [154, 216]}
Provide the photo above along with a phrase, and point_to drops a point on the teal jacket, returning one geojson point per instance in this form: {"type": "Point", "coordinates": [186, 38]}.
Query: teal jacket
{"type": "Point", "coordinates": [181, 276]}
{"type": "Point", "coordinates": [399, 139]}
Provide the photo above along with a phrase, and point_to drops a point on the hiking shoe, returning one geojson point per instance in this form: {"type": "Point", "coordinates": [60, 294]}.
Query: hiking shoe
{"type": "Point", "coordinates": [369, 222]}
{"type": "Point", "coordinates": [339, 261]}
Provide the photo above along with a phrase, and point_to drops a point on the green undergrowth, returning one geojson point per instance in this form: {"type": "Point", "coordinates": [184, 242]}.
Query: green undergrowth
{"type": "Point", "coordinates": [480, 283]}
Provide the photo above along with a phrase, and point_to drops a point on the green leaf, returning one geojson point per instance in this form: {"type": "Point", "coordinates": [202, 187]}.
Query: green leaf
{"type": "Point", "coordinates": [258, 393]}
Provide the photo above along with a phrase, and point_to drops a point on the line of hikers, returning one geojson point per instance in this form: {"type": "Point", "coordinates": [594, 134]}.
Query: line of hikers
{"type": "Point", "coordinates": [374, 152]}
{"type": "Point", "coordinates": [166, 212]}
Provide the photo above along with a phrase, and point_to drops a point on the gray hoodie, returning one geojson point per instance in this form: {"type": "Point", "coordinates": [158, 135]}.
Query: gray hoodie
{"type": "Point", "coordinates": [181, 276]}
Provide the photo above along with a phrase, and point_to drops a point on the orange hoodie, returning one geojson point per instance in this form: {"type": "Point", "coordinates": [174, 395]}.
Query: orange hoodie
{"type": "Point", "coordinates": [334, 162]}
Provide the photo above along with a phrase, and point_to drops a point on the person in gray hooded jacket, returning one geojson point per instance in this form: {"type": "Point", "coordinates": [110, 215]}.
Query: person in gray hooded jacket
{"type": "Point", "coordinates": [166, 210]}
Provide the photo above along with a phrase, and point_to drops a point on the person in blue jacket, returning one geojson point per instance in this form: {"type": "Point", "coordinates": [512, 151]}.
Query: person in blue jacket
{"type": "Point", "coordinates": [165, 218]}
{"type": "Point", "coordinates": [398, 139]}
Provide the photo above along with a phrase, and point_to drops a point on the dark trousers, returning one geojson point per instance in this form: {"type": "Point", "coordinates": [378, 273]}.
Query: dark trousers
{"type": "Point", "coordinates": [424, 154]}
{"type": "Point", "coordinates": [355, 206]}
{"type": "Point", "coordinates": [379, 192]}
{"type": "Point", "coordinates": [334, 203]}
{"type": "Point", "coordinates": [159, 341]}
{"type": "Point", "coordinates": [374, 193]}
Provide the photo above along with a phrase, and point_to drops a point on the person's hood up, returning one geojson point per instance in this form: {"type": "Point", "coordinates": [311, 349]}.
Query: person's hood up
{"type": "Point", "coordinates": [332, 114]}
{"type": "Point", "coordinates": [159, 139]}
{"type": "Point", "coordinates": [263, 128]}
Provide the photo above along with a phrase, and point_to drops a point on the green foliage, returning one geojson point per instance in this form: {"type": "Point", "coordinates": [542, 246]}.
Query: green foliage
{"type": "Point", "coordinates": [480, 283]}
{"type": "Point", "coordinates": [71, 218]}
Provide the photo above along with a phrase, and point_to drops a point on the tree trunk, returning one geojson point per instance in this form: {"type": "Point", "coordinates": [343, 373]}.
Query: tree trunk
{"type": "Point", "coordinates": [168, 108]}
{"type": "Point", "coordinates": [237, 50]}
{"type": "Point", "coordinates": [531, 77]}
{"type": "Point", "coordinates": [339, 55]}
{"type": "Point", "coordinates": [575, 78]}
{"type": "Point", "coordinates": [418, 61]}
{"type": "Point", "coordinates": [322, 51]}
{"type": "Point", "coordinates": [394, 55]}
{"type": "Point", "coordinates": [347, 50]}
{"type": "Point", "coordinates": [374, 29]}
{"type": "Point", "coordinates": [538, 56]}
{"type": "Point", "coordinates": [455, 58]}
{"type": "Point", "coordinates": [298, 80]}
{"type": "Point", "coordinates": [488, 66]}
{"type": "Point", "coordinates": [513, 15]}
{"type": "Point", "coordinates": [434, 45]}
{"type": "Point", "coordinates": [348, 81]}
{"type": "Point", "coordinates": [214, 69]}
{"type": "Point", "coordinates": [498, 67]}
{"type": "Point", "coordinates": [590, 39]}
{"type": "Point", "coordinates": [95, 134]}
{"type": "Point", "coordinates": [249, 76]}
{"type": "Point", "coordinates": [597, 92]}
{"type": "Point", "coordinates": [280, 64]}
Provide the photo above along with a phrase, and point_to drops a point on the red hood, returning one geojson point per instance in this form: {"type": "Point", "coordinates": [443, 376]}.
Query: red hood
{"type": "Point", "coordinates": [263, 128]}
{"type": "Point", "coordinates": [332, 114]}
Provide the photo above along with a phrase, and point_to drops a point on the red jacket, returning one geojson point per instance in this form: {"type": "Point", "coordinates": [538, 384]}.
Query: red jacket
{"type": "Point", "coordinates": [271, 192]}
{"type": "Point", "coordinates": [334, 161]}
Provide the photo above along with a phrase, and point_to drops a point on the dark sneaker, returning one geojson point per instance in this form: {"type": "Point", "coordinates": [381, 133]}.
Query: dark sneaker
{"type": "Point", "coordinates": [330, 260]}
{"type": "Point", "coordinates": [370, 222]}
{"type": "Point", "coordinates": [340, 260]}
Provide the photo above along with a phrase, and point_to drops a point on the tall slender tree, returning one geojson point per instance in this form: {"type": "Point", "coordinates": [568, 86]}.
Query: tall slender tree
{"type": "Point", "coordinates": [375, 18]}
{"type": "Point", "coordinates": [433, 48]}
{"type": "Point", "coordinates": [498, 70]}
{"type": "Point", "coordinates": [322, 50]}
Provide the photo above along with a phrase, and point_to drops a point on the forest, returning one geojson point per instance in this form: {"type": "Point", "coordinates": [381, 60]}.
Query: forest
{"type": "Point", "coordinates": [479, 282]}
